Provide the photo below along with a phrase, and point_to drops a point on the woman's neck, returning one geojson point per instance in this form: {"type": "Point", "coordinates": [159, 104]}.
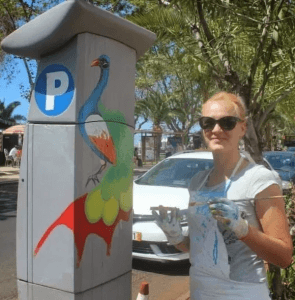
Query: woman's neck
{"type": "Point", "coordinates": [224, 163]}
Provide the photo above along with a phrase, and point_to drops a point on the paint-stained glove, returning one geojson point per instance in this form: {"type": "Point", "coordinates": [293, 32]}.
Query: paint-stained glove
{"type": "Point", "coordinates": [229, 214]}
{"type": "Point", "coordinates": [170, 224]}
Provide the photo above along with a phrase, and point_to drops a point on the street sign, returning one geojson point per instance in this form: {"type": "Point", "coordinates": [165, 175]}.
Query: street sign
{"type": "Point", "coordinates": [54, 90]}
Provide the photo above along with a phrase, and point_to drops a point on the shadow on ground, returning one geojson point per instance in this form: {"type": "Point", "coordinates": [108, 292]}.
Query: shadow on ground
{"type": "Point", "coordinates": [8, 200]}
{"type": "Point", "coordinates": [171, 268]}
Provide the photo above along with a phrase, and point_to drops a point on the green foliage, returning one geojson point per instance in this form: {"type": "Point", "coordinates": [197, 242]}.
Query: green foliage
{"type": "Point", "coordinates": [15, 13]}
{"type": "Point", "coordinates": [288, 274]}
{"type": "Point", "coordinates": [119, 7]}
{"type": "Point", "coordinates": [169, 89]}
{"type": "Point", "coordinates": [6, 112]}
{"type": "Point", "coordinates": [248, 52]}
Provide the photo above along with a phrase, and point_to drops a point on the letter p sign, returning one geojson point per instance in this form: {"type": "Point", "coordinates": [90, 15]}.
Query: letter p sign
{"type": "Point", "coordinates": [54, 90]}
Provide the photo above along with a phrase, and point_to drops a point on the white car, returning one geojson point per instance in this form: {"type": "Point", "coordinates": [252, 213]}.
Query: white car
{"type": "Point", "coordinates": [165, 184]}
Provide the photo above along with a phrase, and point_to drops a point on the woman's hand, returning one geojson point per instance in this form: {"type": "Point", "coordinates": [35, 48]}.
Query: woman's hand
{"type": "Point", "coordinates": [228, 213]}
{"type": "Point", "coordinates": [170, 224]}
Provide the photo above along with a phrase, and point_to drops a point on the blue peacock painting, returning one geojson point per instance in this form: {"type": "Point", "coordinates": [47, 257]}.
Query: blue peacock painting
{"type": "Point", "coordinates": [110, 201]}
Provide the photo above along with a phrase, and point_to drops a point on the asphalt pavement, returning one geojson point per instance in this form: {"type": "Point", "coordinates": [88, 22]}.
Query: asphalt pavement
{"type": "Point", "coordinates": [8, 203]}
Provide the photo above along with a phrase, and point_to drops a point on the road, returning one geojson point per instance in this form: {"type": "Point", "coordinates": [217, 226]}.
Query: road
{"type": "Point", "coordinates": [165, 281]}
{"type": "Point", "coordinates": [8, 196]}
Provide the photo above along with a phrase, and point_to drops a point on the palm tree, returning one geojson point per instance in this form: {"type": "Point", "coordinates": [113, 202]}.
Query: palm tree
{"type": "Point", "coordinates": [155, 108]}
{"type": "Point", "coordinates": [6, 113]}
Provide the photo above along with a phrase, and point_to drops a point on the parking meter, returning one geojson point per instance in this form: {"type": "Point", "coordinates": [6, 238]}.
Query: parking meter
{"type": "Point", "coordinates": [74, 217]}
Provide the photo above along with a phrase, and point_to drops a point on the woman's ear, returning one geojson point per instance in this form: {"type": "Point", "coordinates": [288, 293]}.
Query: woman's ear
{"type": "Point", "coordinates": [244, 128]}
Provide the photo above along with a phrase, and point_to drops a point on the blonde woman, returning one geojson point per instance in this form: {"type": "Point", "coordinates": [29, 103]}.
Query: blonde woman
{"type": "Point", "coordinates": [229, 240]}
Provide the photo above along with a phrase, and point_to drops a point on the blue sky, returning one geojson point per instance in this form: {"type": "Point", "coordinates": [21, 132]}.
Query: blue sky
{"type": "Point", "coordinates": [12, 91]}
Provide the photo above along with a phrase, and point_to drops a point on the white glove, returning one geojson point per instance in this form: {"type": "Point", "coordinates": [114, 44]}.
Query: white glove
{"type": "Point", "coordinates": [170, 224]}
{"type": "Point", "coordinates": [229, 214]}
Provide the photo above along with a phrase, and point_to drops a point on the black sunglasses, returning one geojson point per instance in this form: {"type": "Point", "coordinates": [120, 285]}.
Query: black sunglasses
{"type": "Point", "coordinates": [226, 123]}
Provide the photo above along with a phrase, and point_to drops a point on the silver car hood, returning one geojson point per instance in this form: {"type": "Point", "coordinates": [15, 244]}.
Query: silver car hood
{"type": "Point", "coordinates": [145, 196]}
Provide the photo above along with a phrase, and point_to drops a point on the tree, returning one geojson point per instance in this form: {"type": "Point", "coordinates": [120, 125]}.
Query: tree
{"type": "Point", "coordinates": [249, 52]}
{"type": "Point", "coordinates": [169, 91]}
{"type": "Point", "coordinates": [15, 13]}
{"type": "Point", "coordinates": [6, 112]}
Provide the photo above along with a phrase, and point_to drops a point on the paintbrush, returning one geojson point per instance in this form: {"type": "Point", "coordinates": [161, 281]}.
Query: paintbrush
{"type": "Point", "coordinates": [238, 200]}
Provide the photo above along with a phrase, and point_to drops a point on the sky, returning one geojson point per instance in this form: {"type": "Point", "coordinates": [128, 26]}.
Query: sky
{"type": "Point", "coordinates": [12, 91]}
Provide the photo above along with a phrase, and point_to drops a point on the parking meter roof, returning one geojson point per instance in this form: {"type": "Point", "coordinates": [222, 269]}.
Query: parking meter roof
{"type": "Point", "coordinates": [54, 28]}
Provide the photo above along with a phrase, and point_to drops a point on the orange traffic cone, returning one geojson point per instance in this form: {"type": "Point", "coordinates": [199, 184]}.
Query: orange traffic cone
{"type": "Point", "coordinates": [143, 292]}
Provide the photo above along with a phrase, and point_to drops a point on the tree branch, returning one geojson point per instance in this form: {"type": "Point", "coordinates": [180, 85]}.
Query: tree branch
{"type": "Point", "coordinates": [271, 107]}
{"type": "Point", "coordinates": [196, 32]}
{"type": "Point", "coordinates": [230, 76]}
{"type": "Point", "coordinates": [28, 71]}
{"type": "Point", "coordinates": [260, 47]}
{"type": "Point", "coordinates": [10, 16]}
{"type": "Point", "coordinates": [24, 10]}
{"type": "Point", "coordinates": [140, 124]}
{"type": "Point", "coordinates": [207, 32]}
{"type": "Point", "coordinates": [266, 76]}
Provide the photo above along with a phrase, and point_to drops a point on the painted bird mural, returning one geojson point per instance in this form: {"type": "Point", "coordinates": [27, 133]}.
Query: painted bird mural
{"type": "Point", "coordinates": [110, 201]}
{"type": "Point", "coordinates": [97, 137]}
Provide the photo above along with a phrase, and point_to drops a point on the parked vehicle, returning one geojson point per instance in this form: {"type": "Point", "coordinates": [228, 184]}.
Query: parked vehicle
{"type": "Point", "coordinates": [165, 184]}
{"type": "Point", "coordinates": [283, 162]}
{"type": "Point", "coordinates": [285, 184]}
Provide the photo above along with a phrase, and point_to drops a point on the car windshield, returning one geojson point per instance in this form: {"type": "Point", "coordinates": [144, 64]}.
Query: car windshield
{"type": "Point", "coordinates": [281, 161]}
{"type": "Point", "coordinates": [176, 172]}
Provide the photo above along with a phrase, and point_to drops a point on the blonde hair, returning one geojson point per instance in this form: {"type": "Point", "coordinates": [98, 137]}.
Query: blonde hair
{"type": "Point", "coordinates": [235, 99]}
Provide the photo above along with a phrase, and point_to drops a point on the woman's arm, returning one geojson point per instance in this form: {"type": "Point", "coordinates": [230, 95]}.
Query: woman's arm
{"type": "Point", "coordinates": [184, 246]}
{"type": "Point", "coordinates": [274, 244]}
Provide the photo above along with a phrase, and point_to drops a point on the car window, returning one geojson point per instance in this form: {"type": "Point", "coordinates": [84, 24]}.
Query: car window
{"type": "Point", "coordinates": [176, 172]}
{"type": "Point", "coordinates": [279, 161]}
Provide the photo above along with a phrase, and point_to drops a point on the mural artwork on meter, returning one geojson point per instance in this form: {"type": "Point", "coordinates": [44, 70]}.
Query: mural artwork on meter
{"type": "Point", "coordinates": [110, 201]}
{"type": "Point", "coordinates": [54, 90]}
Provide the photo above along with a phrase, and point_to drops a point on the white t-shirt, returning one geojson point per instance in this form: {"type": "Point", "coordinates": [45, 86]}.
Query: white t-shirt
{"type": "Point", "coordinates": [216, 255]}
{"type": "Point", "coordinates": [13, 152]}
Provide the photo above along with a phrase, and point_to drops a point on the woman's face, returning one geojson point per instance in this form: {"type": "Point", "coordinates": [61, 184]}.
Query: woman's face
{"type": "Point", "coordinates": [217, 139]}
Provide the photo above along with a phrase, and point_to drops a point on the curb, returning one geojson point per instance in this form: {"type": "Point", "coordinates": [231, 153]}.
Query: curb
{"type": "Point", "coordinates": [9, 181]}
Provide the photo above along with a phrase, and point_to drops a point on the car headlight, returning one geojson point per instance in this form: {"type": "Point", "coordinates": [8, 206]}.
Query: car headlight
{"type": "Point", "coordinates": [286, 185]}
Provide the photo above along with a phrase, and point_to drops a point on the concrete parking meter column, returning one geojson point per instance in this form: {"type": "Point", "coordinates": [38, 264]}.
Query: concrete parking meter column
{"type": "Point", "coordinates": [74, 218]}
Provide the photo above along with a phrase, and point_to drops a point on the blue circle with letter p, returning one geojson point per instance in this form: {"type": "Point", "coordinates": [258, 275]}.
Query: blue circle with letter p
{"type": "Point", "coordinates": [54, 90]}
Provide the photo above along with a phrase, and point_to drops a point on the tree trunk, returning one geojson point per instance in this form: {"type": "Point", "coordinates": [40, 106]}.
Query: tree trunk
{"type": "Point", "coordinates": [158, 137]}
{"type": "Point", "coordinates": [277, 285]}
{"type": "Point", "coordinates": [252, 144]}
